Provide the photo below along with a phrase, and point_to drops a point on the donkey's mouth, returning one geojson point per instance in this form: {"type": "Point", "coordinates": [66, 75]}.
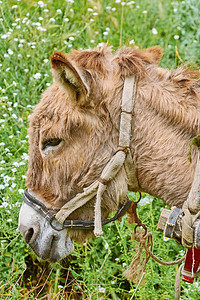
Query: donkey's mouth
{"type": "Point", "coordinates": [57, 252]}
{"type": "Point", "coordinates": [54, 249]}
{"type": "Point", "coordinates": [47, 243]}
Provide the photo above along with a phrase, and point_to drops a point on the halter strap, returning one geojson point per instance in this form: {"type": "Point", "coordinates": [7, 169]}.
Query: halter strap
{"type": "Point", "coordinates": [49, 215]}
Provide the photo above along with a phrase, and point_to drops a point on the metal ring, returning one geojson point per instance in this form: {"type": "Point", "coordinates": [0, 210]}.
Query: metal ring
{"type": "Point", "coordinates": [55, 227]}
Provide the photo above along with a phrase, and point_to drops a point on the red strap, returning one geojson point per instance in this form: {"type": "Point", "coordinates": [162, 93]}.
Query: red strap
{"type": "Point", "coordinates": [191, 265]}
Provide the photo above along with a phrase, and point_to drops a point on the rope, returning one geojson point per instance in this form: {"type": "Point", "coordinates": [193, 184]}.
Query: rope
{"type": "Point", "coordinates": [138, 264]}
{"type": "Point", "coordinates": [177, 289]}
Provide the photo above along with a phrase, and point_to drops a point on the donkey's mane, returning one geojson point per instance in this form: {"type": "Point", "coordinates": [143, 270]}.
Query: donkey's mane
{"type": "Point", "coordinates": [175, 96]}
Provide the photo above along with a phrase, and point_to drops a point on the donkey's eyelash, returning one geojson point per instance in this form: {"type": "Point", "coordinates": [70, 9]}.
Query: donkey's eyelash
{"type": "Point", "coordinates": [51, 142]}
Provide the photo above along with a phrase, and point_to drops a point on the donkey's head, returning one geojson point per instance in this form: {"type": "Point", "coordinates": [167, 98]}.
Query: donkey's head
{"type": "Point", "coordinates": [73, 134]}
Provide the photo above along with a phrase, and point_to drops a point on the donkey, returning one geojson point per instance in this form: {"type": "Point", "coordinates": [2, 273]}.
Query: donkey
{"type": "Point", "coordinates": [74, 133]}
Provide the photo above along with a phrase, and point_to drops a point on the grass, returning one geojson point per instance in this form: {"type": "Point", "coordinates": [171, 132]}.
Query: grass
{"type": "Point", "coordinates": [30, 31]}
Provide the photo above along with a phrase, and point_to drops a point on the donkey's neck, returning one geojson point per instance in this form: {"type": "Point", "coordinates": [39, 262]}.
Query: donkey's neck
{"type": "Point", "coordinates": [161, 149]}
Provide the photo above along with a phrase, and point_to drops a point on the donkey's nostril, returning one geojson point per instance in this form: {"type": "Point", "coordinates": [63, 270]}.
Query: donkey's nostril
{"type": "Point", "coordinates": [28, 235]}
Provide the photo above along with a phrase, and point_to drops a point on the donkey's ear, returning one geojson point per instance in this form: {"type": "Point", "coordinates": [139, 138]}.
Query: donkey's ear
{"type": "Point", "coordinates": [69, 76]}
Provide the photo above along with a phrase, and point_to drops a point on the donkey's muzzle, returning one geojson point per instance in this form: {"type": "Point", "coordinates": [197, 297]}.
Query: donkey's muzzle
{"type": "Point", "coordinates": [46, 242]}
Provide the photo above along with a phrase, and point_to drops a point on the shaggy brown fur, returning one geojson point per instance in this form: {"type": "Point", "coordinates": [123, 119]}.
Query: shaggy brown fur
{"type": "Point", "coordinates": [82, 108]}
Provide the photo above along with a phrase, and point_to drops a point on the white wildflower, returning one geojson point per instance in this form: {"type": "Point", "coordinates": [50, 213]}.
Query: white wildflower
{"type": "Point", "coordinates": [14, 116]}
{"type": "Point", "coordinates": [41, 4]}
{"type": "Point", "coordinates": [106, 246]}
{"type": "Point", "coordinates": [24, 156]}
{"type": "Point", "coordinates": [101, 289]}
{"type": "Point", "coordinates": [154, 31]}
{"type": "Point", "coordinates": [145, 200]}
{"type": "Point", "coordinates": [52, 20]}
{"type": "Point", "coordinates": [37, 76]}
{"type": "Point", "coordinates": [101, 44]}
{"type": "Point", "coordinates": [182, 252]}
{"type": "Point", "coordinates": [4, 204]}
{"type": "Point", "coordinates": [131, 42]}
{"type": "Point", "coordinates": [10, 52]}
{"type": "Point", "coordinates": [59, 11]}
{"type": "Point", "coordinates": [40, 28]}
{"type": "Point", "coordinates": [45, 60]}
{"type": "Point", "coordinates": [24, 20]}
{"type": "Point", "coordinates": [21, 191]}
{"type": "Point", "coordinates": [176, 37]}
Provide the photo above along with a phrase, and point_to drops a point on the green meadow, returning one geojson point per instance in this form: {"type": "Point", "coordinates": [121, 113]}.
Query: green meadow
{"type": "Point", "coordinates": [29, 33]}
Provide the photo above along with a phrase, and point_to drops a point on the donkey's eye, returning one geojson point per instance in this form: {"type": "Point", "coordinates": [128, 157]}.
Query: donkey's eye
{"type": "Point", "coordinates": [51, 143]}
